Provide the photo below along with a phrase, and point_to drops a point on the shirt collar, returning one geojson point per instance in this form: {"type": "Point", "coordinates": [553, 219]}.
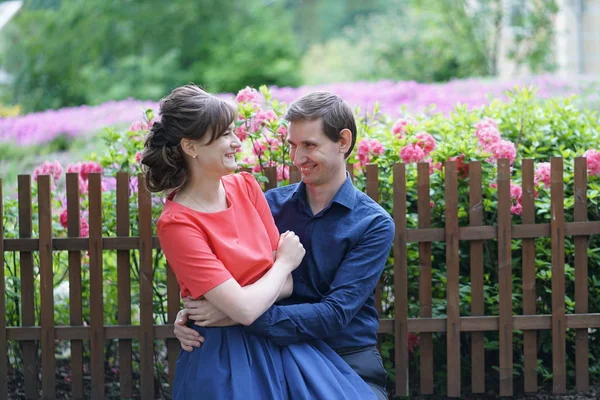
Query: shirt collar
{"type": "Point", "coordinates": [345, 196]}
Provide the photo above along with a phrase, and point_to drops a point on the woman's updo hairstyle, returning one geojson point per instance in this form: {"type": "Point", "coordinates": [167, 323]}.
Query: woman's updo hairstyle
{"type": "Point", "coordinates": [187, 113]}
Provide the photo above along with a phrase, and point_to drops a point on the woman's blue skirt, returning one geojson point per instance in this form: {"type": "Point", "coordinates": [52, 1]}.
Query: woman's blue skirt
{"type": "Point", "coordinates": [233, 364]}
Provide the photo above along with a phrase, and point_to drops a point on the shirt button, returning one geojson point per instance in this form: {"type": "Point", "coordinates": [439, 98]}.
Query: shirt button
{"type": "Point", "coordinates": [302, 280]}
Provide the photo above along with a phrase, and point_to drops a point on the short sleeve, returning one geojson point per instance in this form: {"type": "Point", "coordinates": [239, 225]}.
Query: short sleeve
{"type": "Point", "coordinates": [257, 197]}
{"type": "Point", "coordinates": [187, 251]}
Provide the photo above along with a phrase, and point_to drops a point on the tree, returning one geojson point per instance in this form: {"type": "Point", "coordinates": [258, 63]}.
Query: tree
{"type": "Point", "coordinates": [88, 51]}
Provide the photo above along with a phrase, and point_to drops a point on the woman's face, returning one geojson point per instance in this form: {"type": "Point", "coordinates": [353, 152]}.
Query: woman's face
{"type": "Point", "coordinates": [219, 156]}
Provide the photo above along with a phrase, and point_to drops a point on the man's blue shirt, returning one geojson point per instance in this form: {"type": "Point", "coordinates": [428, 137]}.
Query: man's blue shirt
{"type": "Point", "coordinates": [347, 245]}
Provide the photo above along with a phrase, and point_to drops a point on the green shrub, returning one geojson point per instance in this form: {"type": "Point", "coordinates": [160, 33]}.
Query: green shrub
{"type": "Point", "coordinates": [529, 128]}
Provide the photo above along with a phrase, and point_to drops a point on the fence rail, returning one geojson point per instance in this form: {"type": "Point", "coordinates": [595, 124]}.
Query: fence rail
{"type": "Point", "coordinates": [97, 333]}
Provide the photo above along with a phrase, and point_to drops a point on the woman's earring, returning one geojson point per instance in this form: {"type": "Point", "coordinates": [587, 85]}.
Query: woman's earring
{"type": "Point", "coordinates": [195, 156]}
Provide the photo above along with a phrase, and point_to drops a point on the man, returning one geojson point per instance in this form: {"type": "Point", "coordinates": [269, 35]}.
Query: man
{"type": "Point", "coordinates": [347, 237]}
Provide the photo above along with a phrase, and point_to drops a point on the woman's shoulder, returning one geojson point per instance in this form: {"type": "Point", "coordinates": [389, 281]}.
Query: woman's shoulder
{"type": "Point", "coordinates": [243, 183]}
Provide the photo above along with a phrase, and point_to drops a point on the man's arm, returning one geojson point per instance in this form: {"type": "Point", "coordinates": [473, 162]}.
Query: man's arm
{"type": "Point", "coordinates": [353, 284]}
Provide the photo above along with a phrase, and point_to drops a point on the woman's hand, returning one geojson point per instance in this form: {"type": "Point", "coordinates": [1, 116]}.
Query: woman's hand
{"type": "Point", "coordinates": [290, 251]}
{"type": "Point", "coordinates": [204, 313]}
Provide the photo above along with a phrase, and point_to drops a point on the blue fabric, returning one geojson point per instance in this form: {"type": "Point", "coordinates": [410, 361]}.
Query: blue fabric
{"type": "Point", "coordinates": [236, 365]}
{"type": "Point", "coordinates": [347, 245]}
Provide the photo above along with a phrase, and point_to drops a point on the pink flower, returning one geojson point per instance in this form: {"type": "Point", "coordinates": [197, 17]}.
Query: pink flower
{"type": "Point", "coordinates": [84, 228]}
{"type": "Point", "coordinates": [241, 132]}
{"type": "Point", "coordinates": [516, 209]}
{"type": "Point", "coordinates": [593, 161]}
{"type": "Point", "coordinates": [138, 157]}
{"type": "Point", "coordinates": [462, 167]}
{"type": "Point", "coordinates": [283, 131]}
{"type": "Point", "coordinates": [139, 126]}
{"type": "Point", "coordinates": [74, 168]}
{"type": "Point", "coordinates": [54, 169]}
{"type": "Point", "coordinates": [247, 161]}
{"type": "Point", "coordinates": [64, 220]}
{"type": "Point", "coordinates": [367, 148]}
{"type": "Point", "coordinates": [265, 117]}
{"type": "Point", "coordinates": [273, 143]}
{"type": "Point", "coordinates": [516, 192]}
{"type": "Point", "coordinates": [399, 127]}
{"type": "Point", "coordinates": [542, 174]}
{"type": "Point", "coordinates": [437, 166]}
{"type": "Point", "coordinates": [426, 142]}
{"type": "Point", "coordinates": [487, 133]}
{"type": "Point", "coordinates": [503, 149]}
{"type": "Point", "coordinates": [413, 342]}
{"type": "Point", "coordinates": [88, 168]}
{"type": "Point", "coordinates": [283, 172]}
{"type": "Point", "coordinates": [259, 147]}
{"type": "Point", "coordinates": [412, 153]}
{"type": "Point", "coordinates": [248, 95]}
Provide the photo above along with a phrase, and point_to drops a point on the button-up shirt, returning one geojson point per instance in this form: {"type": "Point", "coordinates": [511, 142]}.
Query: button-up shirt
{"type": "Point", "coordinates": [347, 245]}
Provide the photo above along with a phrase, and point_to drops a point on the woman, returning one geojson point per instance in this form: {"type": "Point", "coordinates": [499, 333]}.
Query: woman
{"type": "Point", "coordinates": [220, 239]}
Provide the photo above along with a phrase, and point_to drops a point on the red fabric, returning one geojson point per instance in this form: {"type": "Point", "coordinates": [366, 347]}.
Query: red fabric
{"type": "Point", "coordinates": [206, 249]}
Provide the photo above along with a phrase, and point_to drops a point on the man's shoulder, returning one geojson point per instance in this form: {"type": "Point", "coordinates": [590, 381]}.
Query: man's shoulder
{"type": "Point", "coordinates": [281, 194]}
{"type": "Point", "coordinates": [370, 208]}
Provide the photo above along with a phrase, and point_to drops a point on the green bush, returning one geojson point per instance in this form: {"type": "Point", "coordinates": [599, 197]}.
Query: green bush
{"type": "Point", "coordinates": [529, 128]}
{"type": "Point", "coordinates": [86, 52]}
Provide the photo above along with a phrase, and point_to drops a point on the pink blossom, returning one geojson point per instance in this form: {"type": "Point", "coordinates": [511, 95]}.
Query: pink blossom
{"type": "Point", "coordinates": [413, 342]}
{"type": "Point", "coordinates": [54, 169]}
{"type": "Point", "coordinates": [248, 95]}
{"type": "Point", "coordinates": [89, 167]}
{"type": "Point", "coordinates": [399, 127]}
{"type": "Point", "coordinates": [63, 218]}
{"type": "Point", "coordinates": [426, 142]}
{"type": "Point", "coordinates": [283, 131]}
{"type": "Point", "coordinates": [248, 161]}
{"type": "Point", "coordinates": [516, 209]}
{"type": "Point", "coordinates": [542, 174]}
{"type": "Point", "coordinates": [283, 172]}
{"type": "Point", "coordinates": [412, 153]}
{"type": "Point", "coordinates": [273, 143]}
{"type": "Point", "coordinates": [74, 168]}
{"type": "Point", "coordinates": [241, 132]}
{"type": "Point", "coordinates": [265, 117]}
{"type": "Point", "coordinates": [138, 126]}
{"type": "Point", "coordinates": [84, 228]}
{"type": "Point", "coordinates": [487, 133]}
{"type": "Point", "coordinates": [516, 192]}
{"type": "Point", "coordinates": [367, 148]}
{"type": "Point", "coordinates": [593, 161]}
{"type": "Point", "coordinates": [259, 147]}
{"type": "Point", "coordinates": [138, 157]}
{"type": "Point", "coordinates": [486, 123]}
{"type": "Point", "coordinates": [503, 149]}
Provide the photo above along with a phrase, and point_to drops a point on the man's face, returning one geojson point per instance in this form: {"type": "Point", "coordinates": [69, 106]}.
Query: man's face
{"type": "Point", "coordinates": [318, 158]}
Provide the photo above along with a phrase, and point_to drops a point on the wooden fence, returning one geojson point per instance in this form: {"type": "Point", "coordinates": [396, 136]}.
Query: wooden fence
{"type": "Point", "coordinates": [453, 324]}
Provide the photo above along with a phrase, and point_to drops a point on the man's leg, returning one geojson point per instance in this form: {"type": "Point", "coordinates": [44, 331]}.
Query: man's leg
{"type": "Point", "coordinates": [367, 363]}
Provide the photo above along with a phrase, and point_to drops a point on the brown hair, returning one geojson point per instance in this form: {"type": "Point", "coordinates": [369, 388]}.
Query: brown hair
{"type": "Point", "coordinates": [335, 113]}
{"type": "Point", "coordinates": [187, 113]}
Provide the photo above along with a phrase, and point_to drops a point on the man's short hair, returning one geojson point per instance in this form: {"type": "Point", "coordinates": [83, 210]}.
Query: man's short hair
{"type": "Point", "coordinates": [335, 113]}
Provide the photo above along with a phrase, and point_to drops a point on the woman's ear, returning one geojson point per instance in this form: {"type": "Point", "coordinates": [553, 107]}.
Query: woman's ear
{"type": "Point", "coordinates": [345, 140]}
{"type": "Point", "coordinates": [189, 148]}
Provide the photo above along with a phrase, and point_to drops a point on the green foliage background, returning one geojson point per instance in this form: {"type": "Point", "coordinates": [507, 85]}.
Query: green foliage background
{"type": "Point", "coordinates": [71, 52]}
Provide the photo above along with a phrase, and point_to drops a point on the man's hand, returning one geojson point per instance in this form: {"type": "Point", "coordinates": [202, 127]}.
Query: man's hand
{"type": "Point", "coordinates": [202, 312]}
{"type": "Point", "coordinates": [188, 338]}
